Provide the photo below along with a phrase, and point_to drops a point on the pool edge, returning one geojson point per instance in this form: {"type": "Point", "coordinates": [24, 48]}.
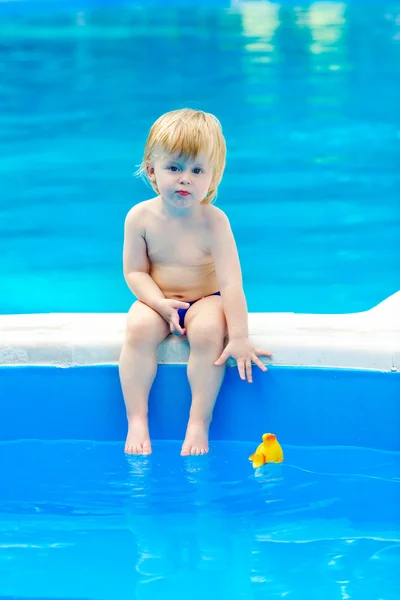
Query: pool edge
{"type": "Point", "coordinates": [367, 340]}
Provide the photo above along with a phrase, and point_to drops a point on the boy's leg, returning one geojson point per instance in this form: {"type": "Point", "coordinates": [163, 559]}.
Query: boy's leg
{"type": "Point", "coordinates": [145, 330]}
{"type": "Point", "coordinates": [206, 330]}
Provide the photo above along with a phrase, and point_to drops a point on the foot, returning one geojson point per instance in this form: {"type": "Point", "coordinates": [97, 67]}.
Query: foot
{"type": "Point", "coordinates": [138, 439]}
{"type": "Point", "coordinates": [196, 440]}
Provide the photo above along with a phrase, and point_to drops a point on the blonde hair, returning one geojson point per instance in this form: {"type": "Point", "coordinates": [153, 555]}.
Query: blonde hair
{"type": "Point", "coordinates": [188, 132]}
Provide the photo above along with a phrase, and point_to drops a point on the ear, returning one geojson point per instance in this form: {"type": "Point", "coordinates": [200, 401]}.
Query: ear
{"type": "Point", "coordinates": [150, 172]}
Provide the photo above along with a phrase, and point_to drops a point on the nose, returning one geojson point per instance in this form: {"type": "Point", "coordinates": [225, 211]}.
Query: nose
{"type": "Point", "coordinates": [184, 177]}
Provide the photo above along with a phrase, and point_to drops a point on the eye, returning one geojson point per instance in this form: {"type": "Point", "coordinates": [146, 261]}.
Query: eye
{"type": "Point", "coordinates": [197, 171]}
{"type": "Point", "coordinates": [173, 168]}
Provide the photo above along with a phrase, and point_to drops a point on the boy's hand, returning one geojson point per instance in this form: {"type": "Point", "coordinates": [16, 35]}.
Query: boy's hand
{"type": "Point", "coordinates": [168, 309]}
{"type": "Point", "coordinates": [243, 352]}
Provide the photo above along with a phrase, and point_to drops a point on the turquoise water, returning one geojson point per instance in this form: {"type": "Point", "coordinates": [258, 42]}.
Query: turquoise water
{"type": "Point", "coordinates": [308, 95]}
{"type": "Point", "coordinates": [81, 520]}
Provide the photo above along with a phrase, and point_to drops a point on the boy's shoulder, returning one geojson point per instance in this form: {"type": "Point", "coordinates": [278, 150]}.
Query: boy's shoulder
{"type": "Point", "coordinates": [215, 216]}
{"type": "Point", "coordinates": [139, 211]}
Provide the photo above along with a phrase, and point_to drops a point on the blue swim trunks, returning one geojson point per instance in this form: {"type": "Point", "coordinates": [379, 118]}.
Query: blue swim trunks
{"type": "Point", "coordinates": [182, 311]}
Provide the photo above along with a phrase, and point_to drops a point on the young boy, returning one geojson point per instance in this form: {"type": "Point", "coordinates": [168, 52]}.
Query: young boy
{"type": "Point", "coordinates": [180, 261]}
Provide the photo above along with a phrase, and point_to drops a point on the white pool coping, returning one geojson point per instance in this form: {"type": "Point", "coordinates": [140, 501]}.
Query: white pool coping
{"type": "Point", "coordinates": [366, 340]}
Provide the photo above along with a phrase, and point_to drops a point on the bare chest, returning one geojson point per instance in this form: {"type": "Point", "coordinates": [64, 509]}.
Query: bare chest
{"type": "Point", "coordinates": [169, 244]}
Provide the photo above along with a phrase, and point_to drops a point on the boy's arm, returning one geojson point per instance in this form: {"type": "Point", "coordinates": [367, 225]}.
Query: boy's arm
{"type": "Point", "coordinates": [136, 262]}
{"type": "Point", "coordinates": [136, 272]}
{"type": "Point", "coordinates": [229, 276]}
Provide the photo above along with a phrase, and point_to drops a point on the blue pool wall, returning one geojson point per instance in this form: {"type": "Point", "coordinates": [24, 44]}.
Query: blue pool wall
{"type": "Point", "coordinates": [303, 406]}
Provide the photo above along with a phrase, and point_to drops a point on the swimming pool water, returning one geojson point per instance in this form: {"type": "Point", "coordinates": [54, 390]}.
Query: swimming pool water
{"type": "Point", "coordinates": [81, 520]}
{"type": "Point", "coordinates": [308, 95]}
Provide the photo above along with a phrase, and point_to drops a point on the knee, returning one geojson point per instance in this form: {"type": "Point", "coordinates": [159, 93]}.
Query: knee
{"type": "Point", "coordinates": [140, 333]}
{"type": "Point", "coordinates": [207, 337]}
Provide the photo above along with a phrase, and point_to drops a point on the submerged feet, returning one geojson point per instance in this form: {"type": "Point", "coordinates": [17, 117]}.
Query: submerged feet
{"type": "Point", "coordinates": [196, 440]}
{"type": "Point", "coordinates": [138, 438]}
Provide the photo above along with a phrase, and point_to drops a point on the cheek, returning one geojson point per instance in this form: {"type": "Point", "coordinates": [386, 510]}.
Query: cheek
{"type": "Point", "coordinates": [208, 182]}
{"type": "Point", "coordinates": [159, 175]}
{"type": "Point", "coordinates": [166, 180]}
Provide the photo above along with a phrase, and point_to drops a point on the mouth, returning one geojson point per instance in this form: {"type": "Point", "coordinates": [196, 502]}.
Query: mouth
{"type": "Point", "coordinates": [183, 193]}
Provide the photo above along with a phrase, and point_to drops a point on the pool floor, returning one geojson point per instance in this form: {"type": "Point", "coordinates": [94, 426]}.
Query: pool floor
{"type": "Point", "coordinates": [81, 520]}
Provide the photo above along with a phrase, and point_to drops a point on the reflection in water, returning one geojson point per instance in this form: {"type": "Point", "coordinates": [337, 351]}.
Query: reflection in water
{"type": "Point", "coordinates": [240, 533]}
{"type": "Point", "coordinates": [194, 535]}
{"type": "Point", "coordinates": [260, 20]}
{"type": "Point", "coordinates": [163, 526]}
{"type": "Point", "coordinates": [326, 21]}
{"type": "Point", "coordinates": [308, 97]}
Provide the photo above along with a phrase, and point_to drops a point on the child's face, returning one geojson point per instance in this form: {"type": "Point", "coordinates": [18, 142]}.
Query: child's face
{"type": "Point", "coordinates": [182, 182]}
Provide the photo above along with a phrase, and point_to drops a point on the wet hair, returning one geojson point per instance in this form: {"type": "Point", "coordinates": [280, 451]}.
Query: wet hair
{"type": "Point", "coordinates": [188, 133]}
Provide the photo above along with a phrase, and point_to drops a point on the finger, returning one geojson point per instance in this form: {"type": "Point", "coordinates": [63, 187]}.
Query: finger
{"type": "Point", "coordinates": [262, 353]}
{"type": "Point", "coordinates": [179, 304]}
{"type": "Point", "coordinates": [177, 330]}
{"type": "Point", "coordinates": [258, 362]}
{"type": "Point", "coordinates": [222, 359]}
{"type": "Point", "coordinates": [178, 333]}
{"type": "Point", "coordinates": [175, 325]}
{"type": "Point", "coordinates": [248, 371]}
{"type": "Point", "coordinates": [240, 366]}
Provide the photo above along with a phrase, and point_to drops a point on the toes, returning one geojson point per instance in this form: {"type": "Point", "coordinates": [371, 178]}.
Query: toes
{"type": "Point", "coordinates": [146, 449]}
{"type": "Point", "coordinates": [193, 451]}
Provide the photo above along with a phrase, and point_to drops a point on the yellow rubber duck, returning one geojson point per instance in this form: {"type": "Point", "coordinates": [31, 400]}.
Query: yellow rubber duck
{"type": "Point", "coordinates": [269, 451]}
